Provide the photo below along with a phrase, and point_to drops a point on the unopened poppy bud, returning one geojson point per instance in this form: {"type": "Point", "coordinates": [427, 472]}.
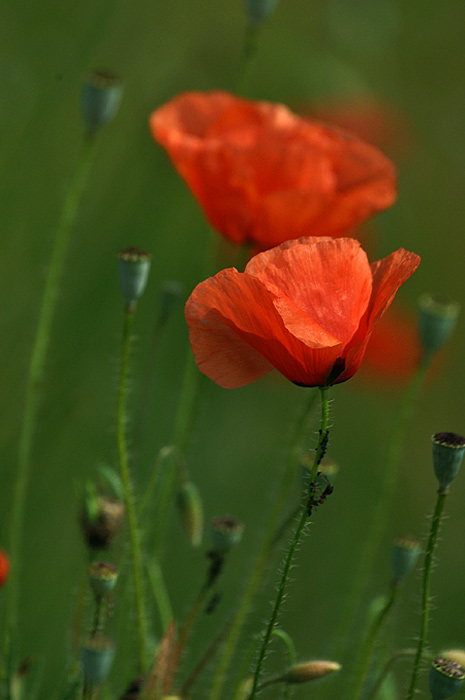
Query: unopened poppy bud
{"type": "Point", "coordinates": [457, 655]}
{"type": "Point", "coordinates": [96, 659]}
{"type": "Point", "coordinates": [259, 10]}
{"type": "Point", "coordinates": [445, 678]}
{"type": "Point", "coordinates": [404, 556]}
{"type": "Point", "coordinates": [101, 519]}
{"type": "Point", "coordinates": [133, 267]}
{"type": "Point", "coordinates": [437, 320]}
{"type": "Point", "coordinates": [4, 567]}
{"type": "Point", "coordinates": [191, 512]}
{"type": "Point", "coordinates": [101, 97]}
{"type": "Point", "coordinates": [225, 532]}
{"type": "Point", "coordinates": [309, 671]}
{"type": "Point", "coordinates": [448, 449]}
{"type": "Point", "coordinates": [102, 578]}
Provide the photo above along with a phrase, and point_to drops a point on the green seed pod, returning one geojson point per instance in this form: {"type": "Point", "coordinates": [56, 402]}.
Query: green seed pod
{"type": "Point", "coordinates": [101, 97]}
{"type": "Point", "coordinates": [191, 512]}
{"type": "Point", "coordinates": [437, 319]}
{"type": "Point", "coordinates": [225, 532]}
{"type": "Point", "coordinates": [445, 678]}
{"type": "Point", "coordinates": [404, 556]}
{"type": "Point", "coordinates": [96, 659]}
{"type": "Point", "coordinates": [448, 450]}
{"type": "Point", "coordinates": [134, 267]}
{"type": "Point", "coordinates": [309, 671]}
{"type": "Point", "coordinates": [259, 10]}
{"type": "Point", "coordinates": [102, 578]}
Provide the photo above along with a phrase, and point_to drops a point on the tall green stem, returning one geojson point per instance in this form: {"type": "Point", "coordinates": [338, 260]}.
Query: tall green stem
{"type": "Point", "coordinates": [265, 550]}
{"type": "Point", "coordinates": [376, 530]}
{"type": "Point", "coordinates": [134, 542]}
{"type": "Point", "coordinates": [366, 651]}
{"type": "Point", "coordinates": [321, 447]}
{"type": "Point", "coordinates": [36, 368]}
{"type": "Point", "coordinates": [425, 599]}
{"type": "Point", "coordinates": [402, 654]}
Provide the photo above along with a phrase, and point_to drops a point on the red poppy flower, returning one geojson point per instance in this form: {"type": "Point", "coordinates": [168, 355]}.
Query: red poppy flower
{"type": "Point", "coordinates": [306, 308]}
{"type": "Point", "coordinates": [4, 567]}
{"type": "Point", "coordinates": [263, 175]}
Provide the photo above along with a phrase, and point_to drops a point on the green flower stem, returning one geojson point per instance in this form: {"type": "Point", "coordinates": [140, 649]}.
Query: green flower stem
{"type": "Point", "coordinates": [368, 645]}
{"type": "Point", "coordinates": [402, 654]}
{"type": "Point", "coordinates": [295, 540]}
{"type": "Point", "coordinates": [375, 532]}
{"type": "Point", "coordinates": [433, 536]}
{"type": "Point", "coordinates": [266, 548]}
{"type": "Point", "coordinates": [134, 543]}
{"type": "Point", "coordinates": [189, 623]}
{"type": "Point", "coordinates": [160, 592]}
{"type": "Point", "coordinates": [36, 367]}
{"type": "Point", "coordinates": [99, 616]}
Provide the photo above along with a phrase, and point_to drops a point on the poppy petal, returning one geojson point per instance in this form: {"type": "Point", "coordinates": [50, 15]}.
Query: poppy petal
{"type": "Point", "coordinates": [388, 275]}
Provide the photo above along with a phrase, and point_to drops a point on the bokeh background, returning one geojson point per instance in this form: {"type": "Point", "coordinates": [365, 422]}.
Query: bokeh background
{"type": "Point", "coordinates": [406, 59]}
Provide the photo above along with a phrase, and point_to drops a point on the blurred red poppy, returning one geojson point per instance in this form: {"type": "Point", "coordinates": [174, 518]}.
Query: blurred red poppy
{"type": "Point", "coordinates": [263, 175]}
{"type": "Point", "coordinates": [394, 350]}
{"type": "Point", "coordinates": [306, 308]}
{"type": "Point", "coordinates": [4, 567]}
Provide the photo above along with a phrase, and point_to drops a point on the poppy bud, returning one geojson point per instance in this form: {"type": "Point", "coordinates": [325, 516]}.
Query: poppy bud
{"type": "Point", "coordinates": [226, 533]}
{"type": "Point", "coordinates": [4, 567]}
{"type": "Point", "coordinates": [96, 659]}
{"type": "Point", "coordinates": [404, 556]}
{"type": "Point", "coordinates": [101, 519]}
{"type": "Point", "coordinates": [102, 578]}
{"type": "Point", "coordinates": [259, 10]}
{"type": "Point", "coordinates": [191, 512]}
{"type": "Point", "coordinates": [309, 671]}
{"type": "Point", "coordinates": [101, 97]}
{"type": "Point", "coordinates": [448, 449]}
{"type": "Point", "coordinates": [437, 320]}
{"type": "Point", "coordinates": [134, 267]}
{"type": "Point", "coordinates": [445, 678]}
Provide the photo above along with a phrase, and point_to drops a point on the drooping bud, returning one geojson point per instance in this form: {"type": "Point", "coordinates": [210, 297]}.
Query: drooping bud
{"type": "Point", "coordinates": [4, 567]}
{"type": "Point", "coordinates": [101, 97]}
{"type": "Point", "coordinates": [102, 578]}
{"type": "Point", "coordinates": [404, 556]}
{"type": "Point", "coordinates": [191, 511]}
{"type": "Point", "coordinates": [437, 320]}
{"type": "Point", "coordinates": [309, 671]}
{"type": "Point", "coordinates": [133, 267]}
{"type": "Point", "coordinates": [448, 450]}
{"type": "Point", "coordinates": [225, 532]}
{"type": "Point", "coordinates": [97, 656]}
{"type": "Point", "coordinates": [101, 518]}
{"type": "Point", "coordinates": [445, 678]}
{"type": "Point", "coordinates": [259, 10]}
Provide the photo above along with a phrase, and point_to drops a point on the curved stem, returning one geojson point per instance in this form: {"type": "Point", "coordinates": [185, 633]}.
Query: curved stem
{"type": "Point", "coordinates": [369, 644]}
{"type": "Point", "coordinates": [295, 540]}
{"type": "Point", "coordinates": [402, 654]}
{"type": "Point", "coordinates": [134, 543]}
{"type": "Point", "coordinates": [266, 548]}
{"type": "Point", "coordinates": [425, 599]}
{"type": "Point", "coordinates": [375, 532]}
{"type": "Point", "coordinates": [36, 367]}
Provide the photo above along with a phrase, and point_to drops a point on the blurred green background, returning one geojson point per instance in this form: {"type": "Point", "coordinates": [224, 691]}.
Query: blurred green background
{"type": "Point", "coordinates": [405, 53]}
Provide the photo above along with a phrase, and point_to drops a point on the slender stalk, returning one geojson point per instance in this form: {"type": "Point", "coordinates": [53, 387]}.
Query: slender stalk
{"type": "Point", "coordinates": [426, 601]}
{"type": "Point", "coordinates": [204, 661]}
{"type": "Point", "coordinates": [36, 367]}
{"type": "Point", "coordinates": [99, 616]}
{"type": "Point", "coordinates": [368, 645]}
{"type": "Point", "coordinates": [189, 622]}
{"type": "Point", "coordinates": [266, 548]}
{"type": "Point", "coordinates": [160, 592]}
{"type": "Point", "coordinates": [402, 654]}
{"type": "Point", "coordinates": [321, 447]}
{"type": "Point", "coordinates": [375, 531]}
{"type": "Point", "coordinates": [134, 543]}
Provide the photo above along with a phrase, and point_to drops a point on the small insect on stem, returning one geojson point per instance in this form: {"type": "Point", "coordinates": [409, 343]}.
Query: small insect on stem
{"type": "Point", "coordinates": [320, 489]}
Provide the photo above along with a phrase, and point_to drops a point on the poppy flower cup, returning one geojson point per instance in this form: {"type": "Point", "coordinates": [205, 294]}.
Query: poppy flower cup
{"type": "Point", "coordinates": [263, 175]}
{"type": "Point", "coordinates": [305, 308]}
